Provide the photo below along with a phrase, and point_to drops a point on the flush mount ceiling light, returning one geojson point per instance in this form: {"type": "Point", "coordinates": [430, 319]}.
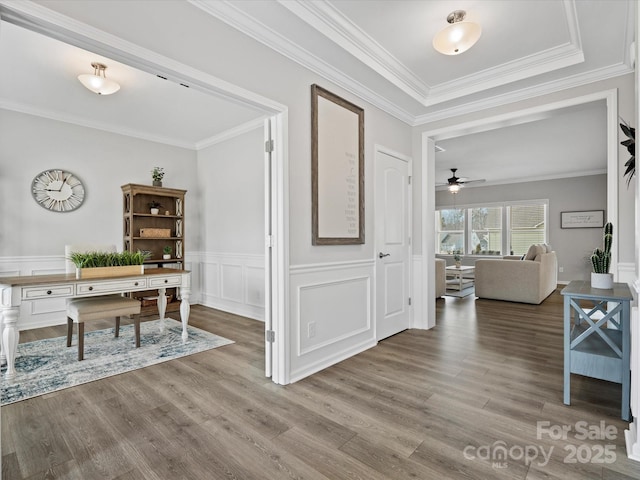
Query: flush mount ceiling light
{"type": "Point", "coordinates": [459, 36]}
{"type": "Point", "coordinates": [98, 82]}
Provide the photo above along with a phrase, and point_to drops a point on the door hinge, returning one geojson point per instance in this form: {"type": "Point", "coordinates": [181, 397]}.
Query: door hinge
{"type": "Point", "coordinates": [269, 336]}
{"type": "Point", "coordinates": [269, 241]}
{"type": "Point", "coordinates": [268, 146]}
{"type": "Point", "coordinates": [409, 300]}
{"type": "Point", "coordinates": [409, 177]}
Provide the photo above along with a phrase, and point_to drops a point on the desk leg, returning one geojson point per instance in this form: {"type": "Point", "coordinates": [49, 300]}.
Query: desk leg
{"type": "Point", "coordinates": [3, 356]}
{"type": "Point", "coordinates": [567, 350]}
{"type": "Point", "coordinates": [10, 338]}
{"type": "Point", "coordinates": [185, 309]}
{"type": "Point", "coordinates": [162, 306]}
{"type": "Point", "coordinates": [626, 354]}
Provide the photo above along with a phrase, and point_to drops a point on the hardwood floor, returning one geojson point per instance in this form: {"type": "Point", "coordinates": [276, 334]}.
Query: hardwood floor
{"type": "Point", "coordinates": [421, 405]}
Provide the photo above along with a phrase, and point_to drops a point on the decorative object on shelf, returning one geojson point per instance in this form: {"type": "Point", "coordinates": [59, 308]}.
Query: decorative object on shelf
{"type": "Point", "coordinates": [155, 232]}
{"type": "Point", "coordinates": [459, 36]}
{"type": "Point", "coordinates": [57, 190]}
{"type": "Point", "coordinates": [457, 258]}
{"type": "Point", "coordinates": [154, 207]}
{"type": "Point", "coordinates": [166, 252]}
{"type": "Point", "coordinates": [157, 174]}
{"type": "Point", "coordinates": [108, 264]}
{"type": "Point", "coordinates": [630, 143]}
{"type": "Point", "coordinates": [601, 261]}
{"type": "Point", "coordinates": [98, 81]}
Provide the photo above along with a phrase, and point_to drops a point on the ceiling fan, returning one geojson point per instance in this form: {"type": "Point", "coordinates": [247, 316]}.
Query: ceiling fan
{"type": "Point", "coordinates": [455, 183]}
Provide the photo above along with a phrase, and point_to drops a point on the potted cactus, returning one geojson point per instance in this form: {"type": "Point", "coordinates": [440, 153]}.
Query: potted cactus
{"type": "Point", "coordinates": [601, 261]}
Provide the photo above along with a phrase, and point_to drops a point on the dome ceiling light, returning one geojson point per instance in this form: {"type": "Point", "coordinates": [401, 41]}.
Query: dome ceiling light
{"type": "Point", "coordinates": [98, 81]}
{"type": "Point", "coordinates": [459, 36]}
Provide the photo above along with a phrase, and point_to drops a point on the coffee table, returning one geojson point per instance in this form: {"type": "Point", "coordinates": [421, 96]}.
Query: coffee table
{"type": "Point", "coordinates": [458, 282]}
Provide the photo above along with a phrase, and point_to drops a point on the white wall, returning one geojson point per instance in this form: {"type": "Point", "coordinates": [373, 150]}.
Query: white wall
{"type": "Point", "coordinates": [32, 239]}
{"type": "Point", "coordinates": [568, 194]}
{"type": "Point", "coordinates": [217, 49]}
{"type": "Point", "coordinates": [104, 161]}
{"type": "Point", "coordinates": [231, 178]}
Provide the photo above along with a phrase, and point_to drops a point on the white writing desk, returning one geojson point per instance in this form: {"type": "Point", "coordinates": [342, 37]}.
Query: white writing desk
{"type": "Point", "coordinates": [15, 290]}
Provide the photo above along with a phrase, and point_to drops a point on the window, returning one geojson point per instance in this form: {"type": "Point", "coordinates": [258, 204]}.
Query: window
{"type": "Point", "coordinates": [527, 226]}
{"type": "Point", "coordinates": [450, 230]}
{"type": "Point", "coordinates": [495, 229]}
{"type": "Point", "coordinates": [486, 231]}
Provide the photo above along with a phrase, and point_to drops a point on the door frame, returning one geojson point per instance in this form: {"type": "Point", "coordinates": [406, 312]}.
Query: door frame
{"type": "Point", "coordinates": [409, 192]}
{"type": "Point", "coordinates": [429, 138]}
{"type": "Point", "coordinates": [47, 22]}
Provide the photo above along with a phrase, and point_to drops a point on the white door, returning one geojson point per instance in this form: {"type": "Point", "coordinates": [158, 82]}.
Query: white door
{"type": "Point", "coordinates": [393, 230]}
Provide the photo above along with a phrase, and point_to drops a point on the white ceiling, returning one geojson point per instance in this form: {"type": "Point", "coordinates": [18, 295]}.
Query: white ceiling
{"type": "Point", "coordinates": [381, 51]}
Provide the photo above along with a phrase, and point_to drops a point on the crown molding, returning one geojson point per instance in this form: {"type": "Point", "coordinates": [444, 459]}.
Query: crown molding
{"type": "Point", "coordinates": [231, 133]}
{"type": "Point", "coordinates": [227, 12]}
{"type": "Point", "coordinates": [544, 62]}
{"type": "Point", "coordinates": [38, 18]}
{"type": "Point", "coordinates": [329, 21]}
{"type": "Point", "coordinates": [88, 123]}
{"type": "Point", "coordinates": [526, 93]}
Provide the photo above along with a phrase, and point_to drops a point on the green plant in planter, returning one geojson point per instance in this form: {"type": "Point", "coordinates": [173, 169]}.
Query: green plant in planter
{"type": "Point", "coordinates": [157, 174]}
{"type": "Point", "coordinates": [630, 143]}
{"type": "Point", "coordinates": [107, 259]}
{"type": "Point", "coordinates": [601, 258]}
{"type": "Point", "coordinates": [167, 250]}
{"type": "Point", "coordinates": [154, 204]}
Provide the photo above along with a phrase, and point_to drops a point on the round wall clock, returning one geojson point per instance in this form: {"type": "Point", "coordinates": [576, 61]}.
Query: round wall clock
{"type": "Point", "coordinates": [57, 190]}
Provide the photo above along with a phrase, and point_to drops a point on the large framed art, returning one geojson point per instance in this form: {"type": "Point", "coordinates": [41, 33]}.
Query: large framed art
{"type": "Point", "coordinates": [337, 169]}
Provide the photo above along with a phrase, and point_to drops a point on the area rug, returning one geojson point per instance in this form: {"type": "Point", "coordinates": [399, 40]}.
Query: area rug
{"type": "Point", "coordinates": [45, 366]}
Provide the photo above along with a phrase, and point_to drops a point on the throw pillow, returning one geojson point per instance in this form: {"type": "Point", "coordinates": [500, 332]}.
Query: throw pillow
{"type": "Point", "coordinates": [531, 253]}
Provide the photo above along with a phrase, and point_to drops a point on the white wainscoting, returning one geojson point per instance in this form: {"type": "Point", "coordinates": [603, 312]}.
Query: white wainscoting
{"type": "Point", "coordinates": [46, 313]}
{"type": "Point", "coordinates": [332, 314]}
{"type": "Point", "coordinates": [233, 283]}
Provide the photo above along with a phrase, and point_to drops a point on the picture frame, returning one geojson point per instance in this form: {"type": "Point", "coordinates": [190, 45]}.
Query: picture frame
{"type": "Point", "coordinates": [337, 169]}
{"type": "Point", "coordinates": [582, 219]}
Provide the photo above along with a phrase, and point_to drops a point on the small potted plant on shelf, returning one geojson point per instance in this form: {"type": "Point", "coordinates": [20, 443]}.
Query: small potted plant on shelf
{"type": "Point", "coordinates": [157, 174]}
{"type": "Point", "coordinates": [601, 261]}
{"type": "Point", "coordinates": [154, 207]}
{"type": "Point", "coordinates": [166, 252]}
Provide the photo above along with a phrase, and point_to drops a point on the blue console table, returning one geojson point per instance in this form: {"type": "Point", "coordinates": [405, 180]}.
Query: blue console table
{"type": "Point", "coordinates": [590, 348]}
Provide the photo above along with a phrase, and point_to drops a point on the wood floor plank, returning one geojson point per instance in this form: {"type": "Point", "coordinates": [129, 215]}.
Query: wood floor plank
{"type": "Point", "coordinates": [405, 409]}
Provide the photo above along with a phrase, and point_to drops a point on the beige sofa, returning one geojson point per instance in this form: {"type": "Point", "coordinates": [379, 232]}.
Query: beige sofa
{"type": "Point", "coordinates": [525, 281]}
{"type": "Point", "coordinates": [441, 277]}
